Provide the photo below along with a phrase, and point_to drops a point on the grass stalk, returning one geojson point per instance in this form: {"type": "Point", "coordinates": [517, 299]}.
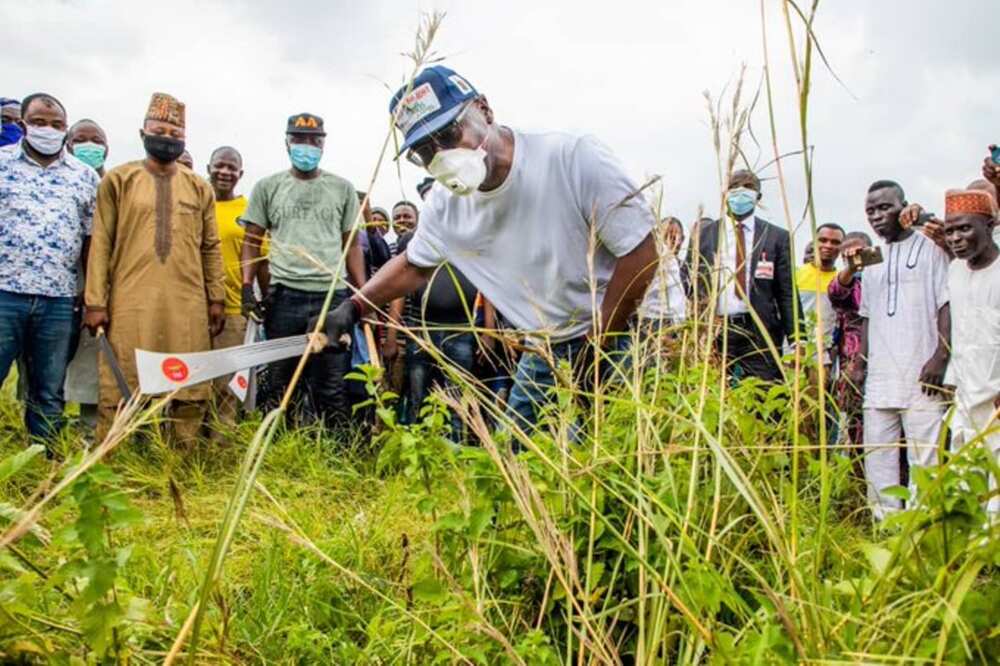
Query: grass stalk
{"type": "Point", "coordinates": [265, 433]}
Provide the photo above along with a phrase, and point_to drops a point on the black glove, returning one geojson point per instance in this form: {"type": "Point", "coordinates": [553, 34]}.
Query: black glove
{"type": "Point", "coordinates": [338, 324]}
{"type": "Point", "coordinates": [249, 305]}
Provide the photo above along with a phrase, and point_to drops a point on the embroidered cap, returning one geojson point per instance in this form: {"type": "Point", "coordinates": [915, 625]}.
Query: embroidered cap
{"type": "Point", "coordinates": [166, 108]}
{"type": "Point", "coordinates": [969, 202]}
{"type": "Point", "coordinates": [436, 97]}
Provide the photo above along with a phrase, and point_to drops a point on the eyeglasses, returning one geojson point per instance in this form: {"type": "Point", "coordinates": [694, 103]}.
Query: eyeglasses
{"type": "Point", "coordinates": [447, 137]}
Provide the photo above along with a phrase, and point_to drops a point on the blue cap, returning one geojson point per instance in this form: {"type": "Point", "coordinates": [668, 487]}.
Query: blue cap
{"type": "Point", "coordinates": [436, 97]}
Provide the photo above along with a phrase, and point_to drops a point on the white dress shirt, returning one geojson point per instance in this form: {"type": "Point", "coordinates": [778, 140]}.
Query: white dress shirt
{"type": "Point", "coordinates": [729, 302]}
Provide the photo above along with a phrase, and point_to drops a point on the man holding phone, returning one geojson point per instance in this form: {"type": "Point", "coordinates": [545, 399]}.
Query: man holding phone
{"type": "Point", "coordinates": [991, 166]}
{"type": "Point", "coordinates": [905, 340]}
{"type": "Point", "coordinates": [991, 174]}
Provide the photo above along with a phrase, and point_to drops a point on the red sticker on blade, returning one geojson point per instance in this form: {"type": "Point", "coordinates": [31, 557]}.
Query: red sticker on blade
{"type": "Point", "coordinates": [241, 381]}
{"type": "Point", "coordinates": [174, 369]}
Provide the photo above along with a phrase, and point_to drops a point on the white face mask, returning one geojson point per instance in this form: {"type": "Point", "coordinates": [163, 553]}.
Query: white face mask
{"type": "Point", "coordinates": [46, 140]}
{"type": "Point", "coordinates": [461, 170]}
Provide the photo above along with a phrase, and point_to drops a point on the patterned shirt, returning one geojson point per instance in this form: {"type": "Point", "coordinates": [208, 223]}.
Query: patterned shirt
{"type": "Point", "coordinates": [45, 213]}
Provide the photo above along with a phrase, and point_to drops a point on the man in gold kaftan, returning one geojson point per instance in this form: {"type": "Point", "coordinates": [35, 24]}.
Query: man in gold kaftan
{"type": "Point", "coordinates": [155, 278]}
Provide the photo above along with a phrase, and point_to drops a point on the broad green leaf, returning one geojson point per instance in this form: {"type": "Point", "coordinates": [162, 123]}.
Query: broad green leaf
{"type": "Point", "coordinates": [898, 492]}
{"type": "Point", "coordinates": [877, 557]}
{"type": "Point", "coordinates": [511, 577]}
{"type": "Point", "coordinates": [98, 624]}
{"type": "Point", "coordinates": [12, 464]}
{"type": "Point", "coordinates": [123, 555]}
{"type": "Point", "coordinates": [138, 609]}
{"type": "Point", "coordinates": [451, 521]}
{"type": "Point", "coordinates": [9, 562]}
{"type": "Point", "coordinates": [430, 591]}
{"type": "Point", "coordinates": [479, 520]}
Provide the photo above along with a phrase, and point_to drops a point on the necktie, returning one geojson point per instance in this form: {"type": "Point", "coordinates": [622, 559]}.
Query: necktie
{"type": "Point", "coordinates": [741, 260]}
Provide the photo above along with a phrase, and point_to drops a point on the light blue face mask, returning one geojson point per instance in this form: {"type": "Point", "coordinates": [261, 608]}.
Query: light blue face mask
{"type": "Point", "coordinates": [91, 154]}
{"type": "Point", "coordinates": [305, 157]}
{"type": "Point", "coordinates": [741, 201]}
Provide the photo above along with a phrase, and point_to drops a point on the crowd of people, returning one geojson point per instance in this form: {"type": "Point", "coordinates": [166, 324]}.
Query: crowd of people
{"type": "Point", "coordinates": [540, 234]}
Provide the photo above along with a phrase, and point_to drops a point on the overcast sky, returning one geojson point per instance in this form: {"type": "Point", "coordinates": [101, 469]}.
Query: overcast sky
{"type": "Point", "coordinates": [919, 104]}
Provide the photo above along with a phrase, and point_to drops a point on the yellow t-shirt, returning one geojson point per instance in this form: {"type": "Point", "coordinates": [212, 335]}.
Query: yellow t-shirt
{"type": "Point", "coordinates": [813, 284]}
{"type": "Point", "coordinates": [231, 238]}
{"type": "Point", "coordinates": [811, 278]}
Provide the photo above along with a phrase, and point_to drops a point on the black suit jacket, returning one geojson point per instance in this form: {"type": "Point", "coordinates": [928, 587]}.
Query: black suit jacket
{"type": "Point", "coordinates": [772, 299]}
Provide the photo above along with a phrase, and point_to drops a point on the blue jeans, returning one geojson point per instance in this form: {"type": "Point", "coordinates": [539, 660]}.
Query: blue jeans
{"type": "Point", "coordinates": [422, 370]}
{"type": "Point", "coordinates": [535, 378]}
{"type": "Point", "coordinates": [322, 387]}
{"type": "Point", "coordinates": [39, 328]}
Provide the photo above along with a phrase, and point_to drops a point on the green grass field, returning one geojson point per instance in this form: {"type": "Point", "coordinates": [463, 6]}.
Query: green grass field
{"type": "Point", "coordinates": [282, 601]}
{"type": "Point", "coordinates": [684, 528]}
{"type": "Point", "coordinates": [687, 521]}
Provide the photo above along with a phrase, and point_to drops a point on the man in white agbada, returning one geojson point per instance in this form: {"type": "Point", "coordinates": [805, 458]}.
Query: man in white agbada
{"type": "Point", "coordinates": [517, 214]}
{"type": "Point", "coordinates": [905, 339]}
{"type": "Point", "coordinates": [974, 285]}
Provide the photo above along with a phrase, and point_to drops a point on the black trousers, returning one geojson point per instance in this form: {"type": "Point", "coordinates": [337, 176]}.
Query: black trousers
{"type": "Point", "coordinates": [321, 392]}
{"type": "Point", "coordinates": [747, 351]}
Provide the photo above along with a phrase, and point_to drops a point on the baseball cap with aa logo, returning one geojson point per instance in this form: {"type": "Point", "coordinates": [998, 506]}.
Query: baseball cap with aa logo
{"type": "Point", "coordinates": [305, 123]}
{"type": "Point", "coordinates": [436, 97]}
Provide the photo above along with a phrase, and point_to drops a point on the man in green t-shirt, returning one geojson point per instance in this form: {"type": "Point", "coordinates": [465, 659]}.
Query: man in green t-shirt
{"type": "Point", "coordinates": [308, 214]}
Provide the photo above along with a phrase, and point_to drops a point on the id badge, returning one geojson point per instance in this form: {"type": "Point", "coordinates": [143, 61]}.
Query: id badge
{"type": "Point", "coordinates": [764, 270]}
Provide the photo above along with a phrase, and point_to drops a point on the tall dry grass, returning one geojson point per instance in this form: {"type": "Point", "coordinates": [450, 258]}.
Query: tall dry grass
{"type": "Point", "coordinates": [667, 517]}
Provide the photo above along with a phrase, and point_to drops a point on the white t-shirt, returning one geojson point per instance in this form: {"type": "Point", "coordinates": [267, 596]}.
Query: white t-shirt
{"type": "Point", "coordinates": [665, 298]}
{"type": "Point", "coordinates": [974, 369]}
{"type": "Point", "coordinates": [901, 298]}
{"type": "Point", "coordinates": [525, 245]}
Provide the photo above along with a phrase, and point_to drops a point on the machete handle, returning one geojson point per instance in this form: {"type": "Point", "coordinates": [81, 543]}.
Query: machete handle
{"type": "Point", "coordinates": [373, 358]}
{"type": "Point", "coordinates": [318, 341]}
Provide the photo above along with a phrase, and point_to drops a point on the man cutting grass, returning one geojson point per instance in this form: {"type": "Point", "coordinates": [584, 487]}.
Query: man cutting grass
{"type": "Point", "coordinates": [541, 223]}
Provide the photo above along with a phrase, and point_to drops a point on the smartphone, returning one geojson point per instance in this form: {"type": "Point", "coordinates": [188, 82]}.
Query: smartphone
{"type": "Point", "coordinates": [867, 256]}
{"type": "Point", "coordinates": [921, 220]}
{"type": "Point", "coordinates": [995, 155]}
